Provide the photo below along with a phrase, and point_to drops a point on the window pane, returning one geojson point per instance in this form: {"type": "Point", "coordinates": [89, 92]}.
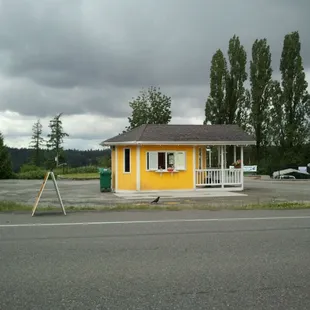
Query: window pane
{"type": "Point", "coordinates": [171, 160]}
{"type": "Point", "coordinates": [152, 161]}
{"type": "Point", "coordinates": [127, 160]}
{"type": "Point", "coordinates": [161, 160]}
{"type": "Point", "coordinates": [180, 161]}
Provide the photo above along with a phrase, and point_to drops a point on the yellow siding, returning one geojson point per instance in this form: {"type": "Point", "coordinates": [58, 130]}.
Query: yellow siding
{"type": "Point", "coordinates": [113, 168]}
{"type": "Point", "coordinates": [151, 180]}
{"type": "Point", "coordinates": [126, 181]}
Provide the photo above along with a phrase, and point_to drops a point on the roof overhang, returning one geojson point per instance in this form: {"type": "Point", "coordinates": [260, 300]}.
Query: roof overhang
{"type": "Point", "coordinates": [239, 143]}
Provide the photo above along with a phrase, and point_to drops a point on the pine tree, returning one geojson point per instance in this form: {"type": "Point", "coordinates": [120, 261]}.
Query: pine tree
{"type": "Point", "coordinates": [56, 137]}
{"type": "Point", "coordinates": [260, 79]}
{"type": "Point", "coordinates": [37, 142]}
{"type": "Point", "coordinates": [6, 169]}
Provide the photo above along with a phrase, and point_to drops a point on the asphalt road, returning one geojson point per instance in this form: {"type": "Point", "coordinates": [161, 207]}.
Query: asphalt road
{"type": "Point", "coordinates": [167, 260]}
{"type": "Point", "coordinates": [87, 193]}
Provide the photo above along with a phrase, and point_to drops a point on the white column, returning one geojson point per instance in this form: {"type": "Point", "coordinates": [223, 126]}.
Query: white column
{"type": "Point", "coordinates": [210, 158]}
{"type": "Point", "coordinates": [138, 164]}
{"type": "Point", "coordinates": [116, 169]}
{"type": "Point", "coordinates": [241, 158]}
{"type": "Point", "coordinates": [225, 157]}
{"type": "Point", "coordinates": [222, 166]}
{"type": "Point", "coordinates": [235, 154]}
{"type": "Point", "coordinates": [194, 167]}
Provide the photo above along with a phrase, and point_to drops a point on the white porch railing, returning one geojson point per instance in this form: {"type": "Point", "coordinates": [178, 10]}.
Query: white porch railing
{"type": "Point", "coordinates": [214, 177]}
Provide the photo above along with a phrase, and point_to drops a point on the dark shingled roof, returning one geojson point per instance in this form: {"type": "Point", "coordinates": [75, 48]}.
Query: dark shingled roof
{"type": "Point", "coordinates": [183, 133]}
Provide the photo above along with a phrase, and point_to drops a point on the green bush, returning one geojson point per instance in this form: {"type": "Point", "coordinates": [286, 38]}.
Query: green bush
{"type": "Point", "coordinates": [68, 170]}
{"type": "Point", "coordinates": [32, 175]}
{"type": "Point", "coordinates": [29, 168]}
{"type": "Point", "coordinates": [31, 172]}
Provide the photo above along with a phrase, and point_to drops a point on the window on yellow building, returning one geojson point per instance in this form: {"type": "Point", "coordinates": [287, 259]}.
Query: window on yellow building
{"type": "Point", "coordinates": [163, 160]}
{"type": "Point", "coordinates": [127, 160]}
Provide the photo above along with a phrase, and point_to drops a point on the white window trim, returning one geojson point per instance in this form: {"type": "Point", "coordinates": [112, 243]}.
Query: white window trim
{"type": "Point", "coordinates": [127, 172]}
{"type": "Point", "coordinates": [166, 152]}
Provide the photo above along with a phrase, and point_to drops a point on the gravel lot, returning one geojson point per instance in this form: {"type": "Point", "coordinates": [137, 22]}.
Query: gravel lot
{"type": "Point", "coordinates": [87, 193]}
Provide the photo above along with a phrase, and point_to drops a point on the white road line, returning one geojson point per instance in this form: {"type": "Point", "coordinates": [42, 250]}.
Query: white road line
{"type": "Point", "coordinates": [158, 221]}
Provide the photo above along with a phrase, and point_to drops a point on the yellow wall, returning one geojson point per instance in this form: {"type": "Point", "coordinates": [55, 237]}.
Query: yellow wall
{"type": "Point", "coordinates": [151, 180]}
{"type": "Point", "coordinates": [113, 167]}
{"type": "Point", "coordinates": [126, 181]}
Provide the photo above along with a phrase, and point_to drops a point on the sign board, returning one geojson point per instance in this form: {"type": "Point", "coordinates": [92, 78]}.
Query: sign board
{"type": "Point", "coordinates": [303, 169]}
{"type": "Point", "coordinates": [50, 173]}
{"type": "Point", "coordinates": [250, 168]}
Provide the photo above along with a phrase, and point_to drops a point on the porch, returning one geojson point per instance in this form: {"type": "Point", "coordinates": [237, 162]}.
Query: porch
{"type": "Point", "coordinates": [220, 175]}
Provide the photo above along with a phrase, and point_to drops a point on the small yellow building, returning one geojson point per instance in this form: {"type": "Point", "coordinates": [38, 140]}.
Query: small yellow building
{"type": "Point", "coordinates": [176, 157]}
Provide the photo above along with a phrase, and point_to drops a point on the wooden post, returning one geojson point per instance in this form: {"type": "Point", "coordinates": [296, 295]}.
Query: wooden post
{"type": "Point", "coordinates": [242, 176]}
{"type": "Point", "coordinates": [222, 166]}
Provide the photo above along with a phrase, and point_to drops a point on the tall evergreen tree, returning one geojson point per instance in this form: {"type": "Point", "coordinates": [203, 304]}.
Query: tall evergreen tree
{"type": "Point", "coordinates": [260, 79]}
{"type": "Point", "coordinates": [215, 109]}
{"type": "Point", "coordinates": [150, 107]}
{"type": "Point", "coordinates": [37, 142]}
{"type": "Point", "coordinates": [295, 98]}
{"type": "Point", "coordinates": [56, 137]}
{"type": "Point", "coordinates": [6, 169]}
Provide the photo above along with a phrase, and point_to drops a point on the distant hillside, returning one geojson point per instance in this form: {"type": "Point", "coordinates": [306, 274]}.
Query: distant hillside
{"type": "Point", "coordinates": [74, 158]}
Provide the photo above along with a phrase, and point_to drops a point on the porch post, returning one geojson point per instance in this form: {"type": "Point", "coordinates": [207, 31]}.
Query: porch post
{"type": "Point", "coordinates": [138, 181]}
{"type": "Point", "coordinates": [222, 166]}
{"type": "Point", "coordinates": [242, 176]}
{"type": "Point", "coordinates": [225, 156]}
{"type": "Point", "coordinates": [194, 167]}
{"type": "Point", "coordinates": [235, 154]}
{"type": "Point", "coordinates": [210, 157]}
{"type": "Point", "coordinates": [116, 169]}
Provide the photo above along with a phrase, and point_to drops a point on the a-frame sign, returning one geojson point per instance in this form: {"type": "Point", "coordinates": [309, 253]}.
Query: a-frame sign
{"type": "Point", "coordinates": [49, 173]}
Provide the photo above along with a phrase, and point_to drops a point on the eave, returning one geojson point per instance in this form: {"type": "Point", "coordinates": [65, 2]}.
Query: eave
{"type": "Point", "coordinates": [236, 143]}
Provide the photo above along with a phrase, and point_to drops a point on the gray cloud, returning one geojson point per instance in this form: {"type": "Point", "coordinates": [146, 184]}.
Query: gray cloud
{"type": "Point", "coordinates": [80, 56]}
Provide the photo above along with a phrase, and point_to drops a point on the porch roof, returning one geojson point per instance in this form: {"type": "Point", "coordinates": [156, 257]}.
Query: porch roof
{"type": "Point", "coordinates": [183, 134]}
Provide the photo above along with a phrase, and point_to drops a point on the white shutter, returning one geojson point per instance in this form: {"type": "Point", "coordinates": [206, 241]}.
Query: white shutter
{"type": "Point", "coordinates": [153, 161]}
{"type": "Point", "coordinates": [180, 161]}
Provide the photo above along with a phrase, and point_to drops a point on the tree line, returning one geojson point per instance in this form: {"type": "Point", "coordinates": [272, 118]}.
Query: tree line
{"type": "Point", "coordinates": [52, 143]}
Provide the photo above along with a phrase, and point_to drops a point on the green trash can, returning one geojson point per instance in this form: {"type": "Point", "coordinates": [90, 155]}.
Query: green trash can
{"type": "Point", "coordinates": [105, 179]}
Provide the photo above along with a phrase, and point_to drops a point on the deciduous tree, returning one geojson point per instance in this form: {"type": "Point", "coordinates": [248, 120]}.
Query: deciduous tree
{"type": "Point", "coordinates": [295, 98]}
{"type": "Point", "coordinates": [260, 80]}
{"type": "Point", "coordinates": [215, 109]}
{"type": "Point", "coordinates": [235, 91]}
{"type": "Point", "coordinates": [150, 107]}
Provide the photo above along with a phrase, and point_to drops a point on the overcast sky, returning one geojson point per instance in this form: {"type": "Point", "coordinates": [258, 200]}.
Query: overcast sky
{"type": "Point", "coordinates": [88, 58]}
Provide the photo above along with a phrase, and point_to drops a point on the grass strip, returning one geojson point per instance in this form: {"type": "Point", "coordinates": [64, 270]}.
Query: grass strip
{"type": "Point", "coordinates": [10, 206]}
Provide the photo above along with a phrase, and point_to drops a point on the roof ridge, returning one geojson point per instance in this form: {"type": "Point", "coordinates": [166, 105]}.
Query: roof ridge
{"type": "Point", "coordinates": [141, 134]}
